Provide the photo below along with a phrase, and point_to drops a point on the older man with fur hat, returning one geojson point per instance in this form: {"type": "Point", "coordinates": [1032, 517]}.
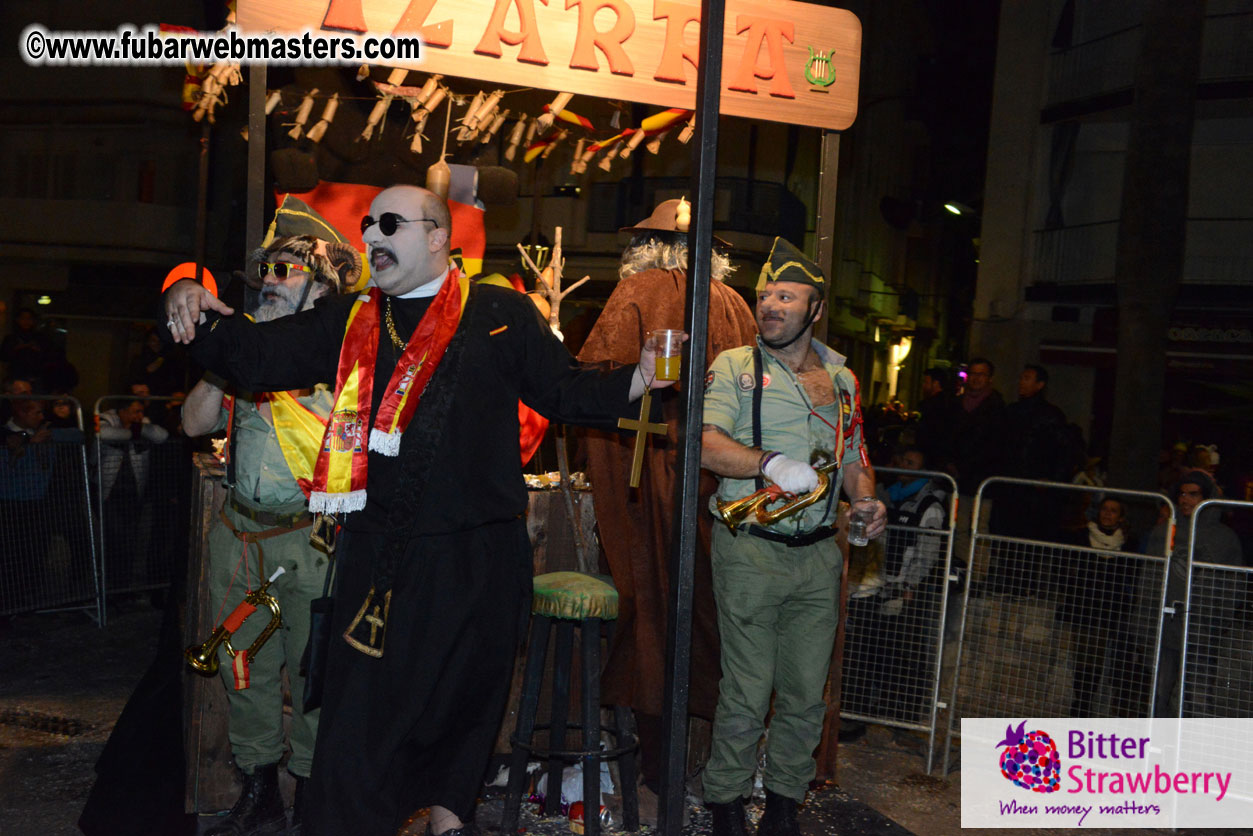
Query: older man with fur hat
{"type": "Point", "coordinates": [264, 526]}
{"type": "Point", "coordinates": [773, 410]}
{"type": "Point", "coordinates": [636, 525]}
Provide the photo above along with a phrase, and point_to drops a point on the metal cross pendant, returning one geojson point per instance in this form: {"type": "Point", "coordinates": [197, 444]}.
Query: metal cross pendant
{"type": "Point", "coordinates": [641, 427]}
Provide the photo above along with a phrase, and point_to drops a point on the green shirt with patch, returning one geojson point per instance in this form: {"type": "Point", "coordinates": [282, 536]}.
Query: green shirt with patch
{"type": "Point", "coordinates": [789, 423]}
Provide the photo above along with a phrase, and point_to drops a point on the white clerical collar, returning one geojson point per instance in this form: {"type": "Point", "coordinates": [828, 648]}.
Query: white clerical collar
{"type": "Point", "coordinates": [428, 289]}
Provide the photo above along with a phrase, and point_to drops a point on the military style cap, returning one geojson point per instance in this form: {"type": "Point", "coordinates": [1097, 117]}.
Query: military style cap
{"type": "Point", "coordinates": [788, 264]}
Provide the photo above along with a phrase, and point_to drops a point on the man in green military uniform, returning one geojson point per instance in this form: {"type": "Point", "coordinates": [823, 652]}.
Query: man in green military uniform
{"type": "Point", "coordinates": [264, 525]}
{"type": "Point", "coordinates": [772, 412]}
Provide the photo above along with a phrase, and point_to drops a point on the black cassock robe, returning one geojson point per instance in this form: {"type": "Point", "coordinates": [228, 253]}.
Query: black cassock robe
{"type": "Point", "coordinates": [416, 727]}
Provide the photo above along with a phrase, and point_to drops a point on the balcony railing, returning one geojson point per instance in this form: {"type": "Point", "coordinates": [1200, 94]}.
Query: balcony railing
{"type": "Point", "coordinates": [1099, 66]}
{"type": "Point", "coordinates": [1218, 252]}
{"type": "Point", "coordinates": [1107, 64]}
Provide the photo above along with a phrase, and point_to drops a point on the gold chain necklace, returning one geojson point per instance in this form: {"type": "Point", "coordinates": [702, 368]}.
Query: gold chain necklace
{"type": "Point", "coordinates": [397, 342]}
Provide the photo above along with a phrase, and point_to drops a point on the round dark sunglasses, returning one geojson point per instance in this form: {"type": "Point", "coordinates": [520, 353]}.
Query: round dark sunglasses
{"type": "Point", "coordinates": [280, 269]}
{"type": "Point", "coordinates": [389, 221]}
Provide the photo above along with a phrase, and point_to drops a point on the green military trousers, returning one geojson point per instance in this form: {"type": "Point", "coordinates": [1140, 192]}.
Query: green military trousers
{"type": "Point", "coordinates": [777, 609]}
{"type": "Point", "coordinates": [256, 713]}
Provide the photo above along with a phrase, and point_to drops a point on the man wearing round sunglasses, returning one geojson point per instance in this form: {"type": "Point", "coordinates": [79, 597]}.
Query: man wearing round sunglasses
{"type": "Point", "coordinates": [421, 462]}
{"type": "Point", "coordinates": [264, 524]}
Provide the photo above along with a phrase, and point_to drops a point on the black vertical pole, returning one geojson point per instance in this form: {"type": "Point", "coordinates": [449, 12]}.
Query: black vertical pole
{"type": "Point", "coordinates": [696, 315]}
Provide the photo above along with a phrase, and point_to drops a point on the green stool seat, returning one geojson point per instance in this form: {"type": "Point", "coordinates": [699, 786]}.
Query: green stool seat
{"type": "Point", "coordinates": [564, 602]}
{"type": "Point", "coordinates": [574, 595]}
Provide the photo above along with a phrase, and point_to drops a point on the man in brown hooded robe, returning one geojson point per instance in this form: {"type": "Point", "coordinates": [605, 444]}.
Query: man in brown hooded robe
{"type": "Point", "coordinates": [636, 523]}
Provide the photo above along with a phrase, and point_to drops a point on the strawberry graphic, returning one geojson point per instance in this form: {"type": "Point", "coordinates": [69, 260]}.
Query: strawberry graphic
{"type": "Point", "coordinates": [1030, 759]}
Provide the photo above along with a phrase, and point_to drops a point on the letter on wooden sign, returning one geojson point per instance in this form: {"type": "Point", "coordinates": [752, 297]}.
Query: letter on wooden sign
{"type": "Point", "coordinates": [528, 35]}
{"type": "Point", "coordinates": [772, 32]}
{"type": "Point", "coordinates": [345, 15]}
{"type": "Point", "coordinates": [414, 20]}
{"type": "Point", "coordinates": [610, 43]}
{"type": "Point", "coordinates": [675, 50]}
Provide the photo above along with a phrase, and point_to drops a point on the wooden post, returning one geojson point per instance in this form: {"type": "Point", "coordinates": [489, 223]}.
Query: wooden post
{"type": "Point", "coordinates": [254, 213]}
{"type": "Point", "coordinates": [824, 227]}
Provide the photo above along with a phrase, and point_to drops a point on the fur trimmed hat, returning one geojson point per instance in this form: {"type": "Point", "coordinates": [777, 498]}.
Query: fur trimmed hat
{"type": "Point", "coordinates": [336, 265]}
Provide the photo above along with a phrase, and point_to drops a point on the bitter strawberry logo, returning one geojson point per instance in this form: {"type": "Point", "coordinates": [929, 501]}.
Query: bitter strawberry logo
{"type": "Point", "coordinates": [1030, 759]}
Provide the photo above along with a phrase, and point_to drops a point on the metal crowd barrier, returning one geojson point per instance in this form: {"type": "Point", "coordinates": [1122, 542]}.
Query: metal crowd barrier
{"type": "Point", "coordinates": [1050, 626]}
{"type": "Point", "coordinates": [141, 490]}
{"type": "Point", "coordinates": [48, 555]}
{"type": "Point", "coordinates": [894, 631]}
{"type": "Point", "coordinates": [1216, 653]}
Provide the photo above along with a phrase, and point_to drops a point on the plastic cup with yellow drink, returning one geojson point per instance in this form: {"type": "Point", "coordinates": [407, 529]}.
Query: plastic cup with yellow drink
{"type": "Point", "coordinates": [668, 344]}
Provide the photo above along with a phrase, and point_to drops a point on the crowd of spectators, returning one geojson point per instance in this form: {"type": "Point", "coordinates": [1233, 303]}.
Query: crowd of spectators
{"type": "Point", "coordinates": [56, 464]}
{"type": "Point", "coordinates": [1082, 552]}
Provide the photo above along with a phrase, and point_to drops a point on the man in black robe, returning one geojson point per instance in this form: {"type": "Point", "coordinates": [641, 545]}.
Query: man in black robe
{"type": "Point", "coordinates": [410, 721]}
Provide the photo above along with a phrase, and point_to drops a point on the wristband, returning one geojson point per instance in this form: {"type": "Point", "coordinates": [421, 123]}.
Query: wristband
{"type": "Point", "coordinates": [765, 460]}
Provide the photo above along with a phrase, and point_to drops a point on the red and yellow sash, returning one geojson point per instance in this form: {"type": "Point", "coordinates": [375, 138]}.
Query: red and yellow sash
{"type": "Point", "coordinates": [339, 477]}
{"type": "Point", "coordinates": [300, 431]}
{"type": "Point", "coordinates": [298, 428]}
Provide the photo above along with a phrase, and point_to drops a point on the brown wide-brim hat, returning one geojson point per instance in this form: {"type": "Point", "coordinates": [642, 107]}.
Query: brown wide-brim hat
{"type": "Point", "coordinates": [665, 219]}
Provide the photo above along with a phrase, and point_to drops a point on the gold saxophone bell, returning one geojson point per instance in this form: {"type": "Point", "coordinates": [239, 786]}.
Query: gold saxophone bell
{"type": "Point", "coordinates": [204, 657]}
{"type": "Point", "coordinates": [766, 516]}
{"type": "Point", "coordinates": [735, 511]}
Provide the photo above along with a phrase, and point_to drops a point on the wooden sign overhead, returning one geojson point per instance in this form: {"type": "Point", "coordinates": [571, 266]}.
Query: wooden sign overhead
{"type": "Point", "coordinates": [782, 61]}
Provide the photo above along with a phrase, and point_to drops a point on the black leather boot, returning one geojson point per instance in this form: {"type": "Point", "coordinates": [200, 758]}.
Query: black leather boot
{"type": "Point", "coordinates": [728, 818]}
{"type": "Point", "coordinates": [259, 810]}
{"type": "Point", "coordinates": [296, 812]}
{"type": "Point", "coordinates": [779, 819]}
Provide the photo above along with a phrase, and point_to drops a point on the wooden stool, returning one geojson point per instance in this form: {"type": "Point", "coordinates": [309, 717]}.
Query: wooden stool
{"type": "Point", "coordinates": [566, 600]}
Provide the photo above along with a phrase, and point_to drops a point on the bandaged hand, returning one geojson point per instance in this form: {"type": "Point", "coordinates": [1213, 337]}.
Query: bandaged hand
{"type": "Point", "coordinates": [791, 475]}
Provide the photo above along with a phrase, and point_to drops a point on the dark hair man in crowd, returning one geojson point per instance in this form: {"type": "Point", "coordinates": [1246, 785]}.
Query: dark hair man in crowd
{"type": "Point", "coordinates": [1036, 448]}
{"type": "Point", "coordinates": [976, 444]}
{"type": "Point", "coordinates": [934, 414]}
{"type": "Point", "coordinates": [26, 349]}
{"type": "Point", "coordinates": [421, 458]}
{"type": "Point", "coordinates": [636, 525]}
{"type": "Point", "coordinates": [1036, 431]}
{"type": "Point", "coordinates": [1218, 597]}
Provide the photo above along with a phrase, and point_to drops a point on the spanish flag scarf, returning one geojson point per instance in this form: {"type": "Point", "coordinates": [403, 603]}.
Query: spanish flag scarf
{"type": "Point", "coordinates": [339, 477]}
{"type": "Point", "coordinates": [300, 431]}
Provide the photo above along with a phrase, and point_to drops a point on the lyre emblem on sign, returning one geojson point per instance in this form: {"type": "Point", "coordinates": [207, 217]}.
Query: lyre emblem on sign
{"type": "Point", "coordinates": [818, 69]}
